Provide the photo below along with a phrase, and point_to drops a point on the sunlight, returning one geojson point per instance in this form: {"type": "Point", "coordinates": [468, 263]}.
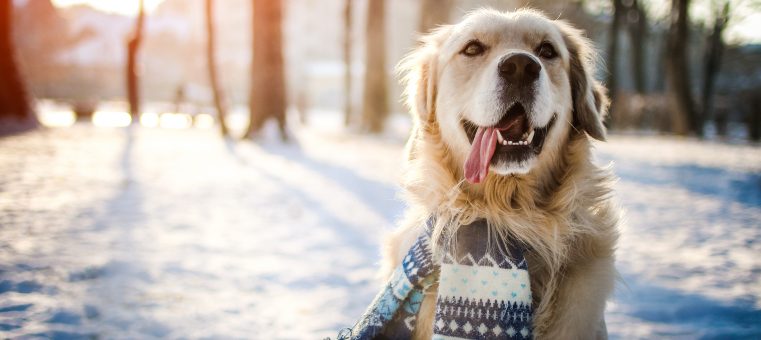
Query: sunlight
{"type": "Point", "coordinates": [123, 7]}
{"type": "Point", "coordinates": [171, 120]}
{"type": "Point", "coordinates": [747, 30]}
{"type": "Point", "coordinates": [57, 118]}
{"type": "Point", "coordinates": [111, 119]}
{"type": "Point", "coordinates": [203, 121]}
{"type": "Point", "coordinates": [149, 119]}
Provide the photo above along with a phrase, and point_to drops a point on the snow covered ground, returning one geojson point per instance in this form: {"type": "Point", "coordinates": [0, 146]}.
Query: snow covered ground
{"type": "Point", "coordinates": [142, 233]}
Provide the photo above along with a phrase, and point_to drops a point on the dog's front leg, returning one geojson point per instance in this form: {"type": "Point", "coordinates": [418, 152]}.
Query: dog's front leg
{"type": "Point", "coordinates": [578, 303]}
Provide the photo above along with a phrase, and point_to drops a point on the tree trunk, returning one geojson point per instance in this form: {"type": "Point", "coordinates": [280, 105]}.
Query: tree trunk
{"type": "Point", "coordinates": [714, 50]}
{"type": "Point", "coordinates": [615, 27]}
{"type": "Point", "coordinates": [347, 60]}
{"type": "Point", "coordinates": [375, 97]}
{"type": "Point", "coordinates": [133, 47]}
{"type": "Point", "coordinates": [636, 18]}
{"type": "Point", "coordinates": [267, 98]}
{"type": "Point", "coordinates": [754, 117]}
{"type": "Point", "coordinates": [219, 100]}
{"type": "Point", "coordinates": [685, 118]}
{"type": "Point", "coordinates": [434, 13]}
{"type": "Point", "coordinates": [15, 110]}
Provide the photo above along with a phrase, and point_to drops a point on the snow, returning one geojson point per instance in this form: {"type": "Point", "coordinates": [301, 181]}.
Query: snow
{"type": "Point", "coordinates": [689, 248]}
{"type": "Point", "coordinates": [177, 233]}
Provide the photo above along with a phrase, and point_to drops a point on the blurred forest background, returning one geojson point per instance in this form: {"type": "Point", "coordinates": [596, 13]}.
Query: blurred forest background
{"type": "Point", "coordinates": [683, 67]}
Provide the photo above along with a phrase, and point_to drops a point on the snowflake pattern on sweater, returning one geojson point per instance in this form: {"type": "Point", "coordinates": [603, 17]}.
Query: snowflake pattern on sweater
{"type": "Point", "coordinates": [483, 293]}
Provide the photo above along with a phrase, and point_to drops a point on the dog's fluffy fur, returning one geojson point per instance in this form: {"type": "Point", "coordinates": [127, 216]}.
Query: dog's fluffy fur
{"type": "Point", "coordinates": [559, 206]}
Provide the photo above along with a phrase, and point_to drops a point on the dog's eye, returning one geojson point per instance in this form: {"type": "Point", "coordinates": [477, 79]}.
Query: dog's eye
{"type": "Point", "coordinates": [473, 48]}
{"type": "Point", "coordinates": [546, 50]}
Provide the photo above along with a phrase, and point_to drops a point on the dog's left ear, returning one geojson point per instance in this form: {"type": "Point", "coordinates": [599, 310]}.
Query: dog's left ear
{"type": "Point", "coordinates": [419, 71]}
{"type": "Point", "coordinates": [590, 100]}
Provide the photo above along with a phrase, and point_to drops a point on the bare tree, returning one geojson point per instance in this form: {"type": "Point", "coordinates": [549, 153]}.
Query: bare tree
{"type": "Point", "coordinates": [375, 97]}
{"type": "Point", "coordinates": [219, 100]}
{"type": "Point", "coordinates": [15, 110]}
{"type": "Point", "coordinates": [713, 54]}
{"type": "Point", "coordinates": [267, 98]}
{"type": "Point", "coordinates": [434, 13]}
{"type": "Point", "coordinates": [753, 119]}
{"type": "Point", "coordinates": [347, 60]}
{"type": "Point", "coordinates": [686, 119]}
{"type": "Point", "coordinates": [133, 47]}
{"type": "Point", "coordinates": [612, 58]}
{"type": "Point", "coordinates": [636, 22]}
{"type": "Point", "coordinates": [630, 16]}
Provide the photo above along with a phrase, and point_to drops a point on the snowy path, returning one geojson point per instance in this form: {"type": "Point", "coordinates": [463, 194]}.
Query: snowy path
{"type": "Point", "coordinates": [178, 234]}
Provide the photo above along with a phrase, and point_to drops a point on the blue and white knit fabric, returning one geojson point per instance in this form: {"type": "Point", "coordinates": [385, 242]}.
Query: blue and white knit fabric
{"type": "Point", "coordinates": [392, 313]}
{"type": "Point", "coordinates": [481, 295]}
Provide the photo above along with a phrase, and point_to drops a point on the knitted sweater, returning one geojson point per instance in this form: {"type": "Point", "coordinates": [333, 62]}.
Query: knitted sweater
{"type": "Point", "coordinates": [481, 294]}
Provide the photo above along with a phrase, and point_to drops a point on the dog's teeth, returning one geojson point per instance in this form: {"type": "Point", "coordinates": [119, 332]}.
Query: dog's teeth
{"type": "Point", "coordinates": [509, 142]}
{"type": "Point", "coordinates": [530, 136]}
{"type": "Point", "coordinates": [499, 137]}
{"type": "Point", "coordinates": [504, 142]}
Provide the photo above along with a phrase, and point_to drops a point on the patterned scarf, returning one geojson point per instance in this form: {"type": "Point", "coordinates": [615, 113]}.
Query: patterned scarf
{"type": "Point", "coordinates": [481, 295]}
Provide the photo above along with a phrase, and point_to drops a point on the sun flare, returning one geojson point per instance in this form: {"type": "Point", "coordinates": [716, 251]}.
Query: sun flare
{"type": "Point", "coordinates": [123, 7]}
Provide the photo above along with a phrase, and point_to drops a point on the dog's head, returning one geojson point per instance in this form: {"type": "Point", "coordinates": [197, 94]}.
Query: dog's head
{"type": "Point", "coordinates": [505, 89]}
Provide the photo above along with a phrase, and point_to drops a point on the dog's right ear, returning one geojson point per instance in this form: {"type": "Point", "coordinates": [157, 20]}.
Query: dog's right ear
{"type": "Point", "coordinates": [590, 101]}
{"type": "Point", "coordinates": [419, 71]}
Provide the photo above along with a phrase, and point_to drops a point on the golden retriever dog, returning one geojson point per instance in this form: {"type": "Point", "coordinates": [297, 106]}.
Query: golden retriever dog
{"type": "Point", "coordinates": [505, 107]}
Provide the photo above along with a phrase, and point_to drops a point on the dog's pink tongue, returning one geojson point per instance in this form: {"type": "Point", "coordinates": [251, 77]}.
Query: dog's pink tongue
{"type": "Point", "coordinates": [484, 144]}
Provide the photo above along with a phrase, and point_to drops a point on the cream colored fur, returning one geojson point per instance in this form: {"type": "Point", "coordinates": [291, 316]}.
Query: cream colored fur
{"type": "Point", "coordinates": [560, 208]}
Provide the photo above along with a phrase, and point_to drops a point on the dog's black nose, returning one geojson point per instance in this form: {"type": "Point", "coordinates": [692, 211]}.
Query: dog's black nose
{"type": "Point", "coordinates": [519, 69]}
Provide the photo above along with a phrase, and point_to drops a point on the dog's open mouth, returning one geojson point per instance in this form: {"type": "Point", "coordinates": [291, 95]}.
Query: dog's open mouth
{"type": "Point", "coordinates": [512, 139]}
